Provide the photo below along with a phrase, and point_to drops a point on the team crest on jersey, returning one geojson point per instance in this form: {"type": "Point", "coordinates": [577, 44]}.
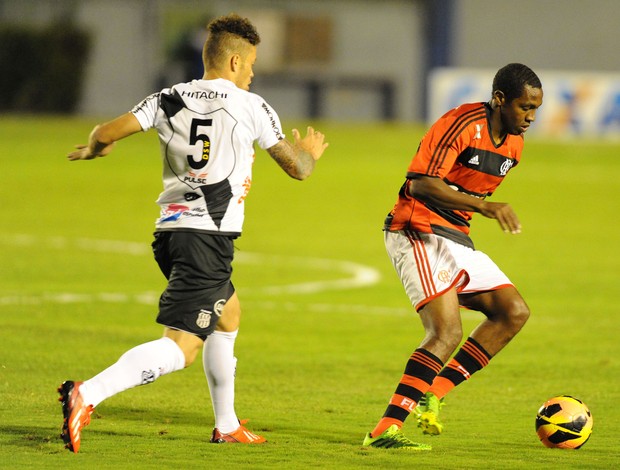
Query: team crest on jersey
{"type": "Point", "coordinates": [506, 166]}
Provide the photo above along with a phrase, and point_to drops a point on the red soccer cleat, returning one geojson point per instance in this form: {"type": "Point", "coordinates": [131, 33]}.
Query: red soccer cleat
{"type": "Point", "coordinates": [76, 414]}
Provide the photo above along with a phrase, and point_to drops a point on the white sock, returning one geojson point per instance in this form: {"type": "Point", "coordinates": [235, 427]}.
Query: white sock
{"type": "Point", "coordinates": [138, 366]}
{"type": "Point", "coordinates": [220, 365]}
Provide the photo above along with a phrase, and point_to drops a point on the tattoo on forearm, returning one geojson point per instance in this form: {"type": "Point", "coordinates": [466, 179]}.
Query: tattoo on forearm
{"type": "Point", "coordinates": [294, 161]}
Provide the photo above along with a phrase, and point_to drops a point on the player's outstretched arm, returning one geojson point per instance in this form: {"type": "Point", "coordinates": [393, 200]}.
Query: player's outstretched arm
{"type": "Point", "coordinates": [297, 159]}
{"type": "Point", "coordinates": [103, 136]}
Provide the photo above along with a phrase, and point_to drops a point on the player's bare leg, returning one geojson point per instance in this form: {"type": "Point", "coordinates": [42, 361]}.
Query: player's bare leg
{"type": "Point", "coordinates": [506, 313]}
{"type": "Point", "coordinates": [231, 315]}
{"type": "Point", "coordinates": [190, 344]}
{"type": "Point", "coordinates": [442, 323]}
{"type": "Point", "coordinates": [441, 319]}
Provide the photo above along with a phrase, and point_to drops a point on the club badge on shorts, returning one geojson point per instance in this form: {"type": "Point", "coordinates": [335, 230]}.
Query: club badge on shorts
{"type": "Point", "coordinates": [204, 316]}
{"type": "Point", "coordinates": [204, 319]}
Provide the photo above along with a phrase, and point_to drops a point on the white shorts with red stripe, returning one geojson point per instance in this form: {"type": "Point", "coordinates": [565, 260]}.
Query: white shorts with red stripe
{"type": "Point", "coordinates": [429, 265]}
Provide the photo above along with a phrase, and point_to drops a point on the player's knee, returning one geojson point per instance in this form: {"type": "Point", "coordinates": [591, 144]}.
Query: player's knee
{"type": "Point", "coordinates": [231, 316]}
{"type": "Point", "coordinates": [452, 337]}
{"type": "Point", "coordinates": [518, 314]}
{"type": "Point", "coordinates": [189, 359]}
{"type": "Point", "coordinates": [189, 344]}
{"type": "Point", "coordinates": [228, 324]}
{"type": "Point", "coordinates": [444, 341]}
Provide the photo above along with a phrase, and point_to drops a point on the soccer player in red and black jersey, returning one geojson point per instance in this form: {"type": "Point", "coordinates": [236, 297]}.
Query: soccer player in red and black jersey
{"type": "Point", "coordinates": [460, 162]}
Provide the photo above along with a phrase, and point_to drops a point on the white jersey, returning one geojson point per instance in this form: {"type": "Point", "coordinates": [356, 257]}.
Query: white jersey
{"type": "Point", "coordinates": [207, 130]}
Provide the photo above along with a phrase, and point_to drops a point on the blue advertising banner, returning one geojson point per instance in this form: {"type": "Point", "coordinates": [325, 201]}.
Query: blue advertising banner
{"type": "Point", "coordinates": [576, 104]}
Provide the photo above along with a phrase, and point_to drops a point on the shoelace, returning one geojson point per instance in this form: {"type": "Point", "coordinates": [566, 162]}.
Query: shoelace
{"type": "Point", "coordinates": [400, 437]}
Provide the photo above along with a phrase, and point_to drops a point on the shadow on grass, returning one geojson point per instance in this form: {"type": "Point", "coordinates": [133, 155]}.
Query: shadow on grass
{"type": "Point", "coordinates": [31, 440]}
{"type": "Point", "coordinates": [29, 436]}
{"type": "Point", "coordinates": [44, 438]}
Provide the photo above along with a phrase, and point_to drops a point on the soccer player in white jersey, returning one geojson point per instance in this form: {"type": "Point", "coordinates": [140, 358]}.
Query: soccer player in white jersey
{"type": "Point", "coordinates": [207, 129]}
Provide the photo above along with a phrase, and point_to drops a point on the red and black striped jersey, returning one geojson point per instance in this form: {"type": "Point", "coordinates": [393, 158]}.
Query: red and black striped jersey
{"type": "Point", "coordinates": [459, 149]}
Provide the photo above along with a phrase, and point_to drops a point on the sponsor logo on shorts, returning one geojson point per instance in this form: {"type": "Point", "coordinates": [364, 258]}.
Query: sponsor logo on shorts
{"type": "Point", "coordinates": [219, 307]}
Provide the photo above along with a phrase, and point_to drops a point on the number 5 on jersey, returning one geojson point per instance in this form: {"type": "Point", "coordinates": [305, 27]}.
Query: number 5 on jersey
{"type": "Point", "coordinates": [194, 137]}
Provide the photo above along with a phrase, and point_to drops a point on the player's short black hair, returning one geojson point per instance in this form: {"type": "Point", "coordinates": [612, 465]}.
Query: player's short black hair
{"type": "Point", "coordinates": [512, 79]}
{"type": "Point", "coordinates": [235, 25]}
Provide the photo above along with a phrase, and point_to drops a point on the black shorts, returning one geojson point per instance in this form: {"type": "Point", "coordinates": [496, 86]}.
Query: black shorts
{"type": "Point", "coordinates": [198, 267]}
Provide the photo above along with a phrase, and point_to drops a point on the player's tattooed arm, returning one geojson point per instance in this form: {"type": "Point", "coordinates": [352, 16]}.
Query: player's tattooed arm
{"type": "Point", "coordinates": [298, 159]}
{"type": "Point", "coordinates": [297, 163]}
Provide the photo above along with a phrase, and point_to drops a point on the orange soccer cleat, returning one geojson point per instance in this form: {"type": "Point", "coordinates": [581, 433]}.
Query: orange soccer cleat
{"type": "Point", "coordinates": [76, 414]}
{"type": "Point", "coordinates": [241, 435]}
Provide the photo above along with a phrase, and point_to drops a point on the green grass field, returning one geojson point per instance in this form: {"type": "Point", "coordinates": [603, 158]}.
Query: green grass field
{"type": "Point", "coordinates": [316, 365]}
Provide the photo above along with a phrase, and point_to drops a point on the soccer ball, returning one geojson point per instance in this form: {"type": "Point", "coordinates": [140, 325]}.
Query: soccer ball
{"type": "Point", "coordinates": [564, 422]}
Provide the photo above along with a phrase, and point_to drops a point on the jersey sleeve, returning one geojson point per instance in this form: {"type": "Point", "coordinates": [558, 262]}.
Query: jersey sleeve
{"type": "Point", "coordinates": [438, 150]}
{"type": "Point", "coordinates": [146, 111]}
{"type": "Point", "coordinates": [269, 128]}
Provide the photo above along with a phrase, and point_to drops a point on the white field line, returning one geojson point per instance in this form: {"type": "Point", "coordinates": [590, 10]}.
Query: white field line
{"type": "Point", "coordinates": [81, 244]}
{"type": "Point", "coordinates": [151, 299]}
{"type": "Point", "coordinates": [358, 276]}
{"type": "Point", "coordinates": [354, 275]}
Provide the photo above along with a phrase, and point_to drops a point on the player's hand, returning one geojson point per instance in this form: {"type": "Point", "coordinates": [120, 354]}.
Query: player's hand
{"type": "Point", "coordinates": [313, 143]}
{"type": "Point", "coordinates": [503, 213]}
{"type": "Point", "coordinates": [84, 152]}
